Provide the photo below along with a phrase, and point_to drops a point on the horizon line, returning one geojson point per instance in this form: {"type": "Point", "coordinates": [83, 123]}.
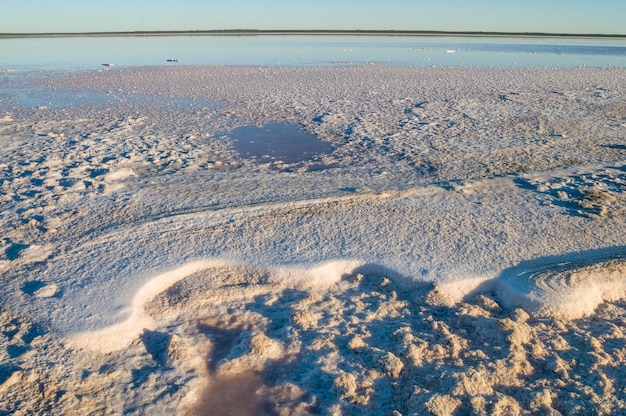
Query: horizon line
{"type": "Point", "coordinates": [309, 31]}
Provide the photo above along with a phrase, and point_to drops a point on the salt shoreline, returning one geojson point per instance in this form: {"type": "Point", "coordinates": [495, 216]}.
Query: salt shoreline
{"type": "Point", "coordinates": [324, 32]}
{"type": "Point", "coordinates": [468, 203]}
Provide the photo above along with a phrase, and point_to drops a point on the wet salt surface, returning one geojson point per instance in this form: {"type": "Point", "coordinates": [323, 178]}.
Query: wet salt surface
{"type": "Point", "coordinates": [435, 266]}
{"type": "Point", "coordinates": [39, 97]}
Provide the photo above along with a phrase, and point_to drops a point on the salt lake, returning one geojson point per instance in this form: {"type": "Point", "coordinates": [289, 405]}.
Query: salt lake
{"type": "Point", "coordinates": [312, 224]}
{"type": "Point", "coordinates": [34, 53]}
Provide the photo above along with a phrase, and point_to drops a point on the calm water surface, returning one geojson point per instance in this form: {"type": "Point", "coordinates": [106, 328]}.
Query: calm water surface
{"type": "Point", "coordinates": [308, 50]}
{"type": "Point", "coordinates": [277, 142]}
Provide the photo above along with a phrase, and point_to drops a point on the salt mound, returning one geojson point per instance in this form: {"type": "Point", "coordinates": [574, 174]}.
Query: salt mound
{"type": "Point", "coordinates": [119, 175]}
{"type": "Point", "coordinates": [120, 335]}
{"type": "Point", "coordinates": [567, 289]}
{"type": "Point", "coordinates": [117, 336]}
{"type": "Point", "coordinates": [47, 291]}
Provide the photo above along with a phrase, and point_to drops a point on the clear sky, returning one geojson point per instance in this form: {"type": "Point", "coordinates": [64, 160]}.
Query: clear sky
{"type": "Point", "coordinates": [555, 16]}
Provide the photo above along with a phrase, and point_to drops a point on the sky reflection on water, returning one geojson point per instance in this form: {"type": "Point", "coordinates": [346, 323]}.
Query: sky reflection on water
{"type": "Point", "coordinates": [309, 50]}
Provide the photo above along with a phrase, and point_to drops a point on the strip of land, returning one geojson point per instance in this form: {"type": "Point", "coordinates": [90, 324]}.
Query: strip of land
{"type": "Point", "coordinates": [317, 32]}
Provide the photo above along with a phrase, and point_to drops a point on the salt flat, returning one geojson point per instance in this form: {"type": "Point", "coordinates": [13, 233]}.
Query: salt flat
{"type": "Point", "coordinates": [455, 244]}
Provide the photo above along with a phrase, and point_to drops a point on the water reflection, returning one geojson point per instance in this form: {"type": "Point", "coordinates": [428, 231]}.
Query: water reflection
{"type": "Point", "coordinates": [308, 50]}
{"type": "Point", "coordinates": [277, 142]}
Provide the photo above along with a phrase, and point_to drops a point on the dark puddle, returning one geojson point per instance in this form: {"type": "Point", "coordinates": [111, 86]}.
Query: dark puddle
{"type": "Point", "coordinates": [277, 142]}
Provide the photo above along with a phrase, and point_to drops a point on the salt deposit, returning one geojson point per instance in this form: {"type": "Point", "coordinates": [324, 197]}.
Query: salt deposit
{"type": "Point", "coordinates": [453, 244]}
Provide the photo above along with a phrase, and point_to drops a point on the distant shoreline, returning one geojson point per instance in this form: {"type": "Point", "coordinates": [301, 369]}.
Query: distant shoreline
{"type": "Point", "coordinates": [248, 32]}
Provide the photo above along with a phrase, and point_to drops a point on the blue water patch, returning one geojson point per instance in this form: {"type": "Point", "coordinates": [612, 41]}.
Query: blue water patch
{"type": "Point", "coordinates": [277, 142]}
{"type": "Point", "coordinates": [554, 49]}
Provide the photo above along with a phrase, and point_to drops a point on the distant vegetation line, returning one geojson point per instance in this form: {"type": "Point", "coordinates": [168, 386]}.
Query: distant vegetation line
{"type": "Point", "coordinates": [313, 32]}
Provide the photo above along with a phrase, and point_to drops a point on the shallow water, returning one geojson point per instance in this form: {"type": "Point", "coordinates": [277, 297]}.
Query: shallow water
{"type": "Point", "coordinates": [309, 50]}
{"type": "Point", "coordinates": [277, 142]}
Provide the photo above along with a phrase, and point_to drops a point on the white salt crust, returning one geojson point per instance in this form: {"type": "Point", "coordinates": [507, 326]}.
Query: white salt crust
{"type": "Point", "coordinates": [461, 249]}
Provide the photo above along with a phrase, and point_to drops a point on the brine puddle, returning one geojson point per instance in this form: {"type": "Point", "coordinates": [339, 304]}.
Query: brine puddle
{"type": "Point", "coordinates": [277, 142]}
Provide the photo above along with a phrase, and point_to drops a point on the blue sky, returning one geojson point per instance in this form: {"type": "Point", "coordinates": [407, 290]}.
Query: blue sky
{"type": "Point", "coordinates": [571, 16]}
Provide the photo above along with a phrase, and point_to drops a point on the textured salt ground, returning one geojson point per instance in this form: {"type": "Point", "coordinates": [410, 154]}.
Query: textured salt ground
{"type": "Point", "coordinates": [457, 195]}
{"type": "Point", "coordinates": [362, 346]}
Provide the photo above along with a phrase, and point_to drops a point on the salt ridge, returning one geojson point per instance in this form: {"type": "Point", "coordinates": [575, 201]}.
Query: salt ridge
{"type": "Point", "coordinates": [569, 288]}
{"type": "Point", "coordinates": [120, 335]}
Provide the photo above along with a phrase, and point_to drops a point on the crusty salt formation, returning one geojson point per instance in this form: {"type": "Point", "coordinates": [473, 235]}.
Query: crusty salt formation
{"type": "Point", "coordinates": [457, 245]}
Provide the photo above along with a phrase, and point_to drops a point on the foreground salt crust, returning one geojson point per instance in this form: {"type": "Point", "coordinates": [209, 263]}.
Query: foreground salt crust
{"type": "Point", "coordinates": [120, 335]}
{"type": "Point", "coordinates": [460, 249]}
{"type": "Point", "coordinates": [566, 290]}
